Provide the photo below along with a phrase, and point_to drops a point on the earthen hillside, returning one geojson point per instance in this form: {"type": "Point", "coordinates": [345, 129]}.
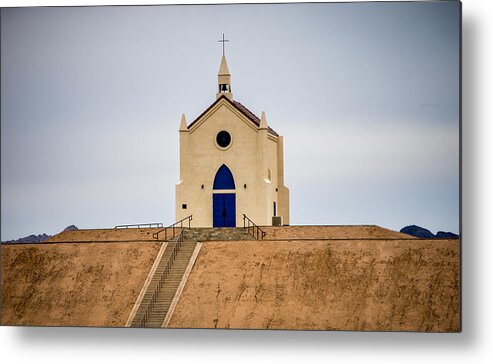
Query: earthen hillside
{"type": "Point", "coordinates": [302, 277]}
{"type": "Point", "coordinates": [104, 235]}
{"type": "Point", "coordinates": [73, 284]}
{"type": "Point", "coordinates": [332, 232]}
{"type": "Point", "coordinates": [409, 285]}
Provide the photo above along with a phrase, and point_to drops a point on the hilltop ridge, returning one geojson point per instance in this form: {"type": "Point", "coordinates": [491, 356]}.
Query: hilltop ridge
{"type": "Point", "coordinates": [40, 238]}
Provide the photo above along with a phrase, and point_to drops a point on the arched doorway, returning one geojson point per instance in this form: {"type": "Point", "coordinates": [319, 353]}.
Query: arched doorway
{"type": "Point", "coordinates": [223, 203]}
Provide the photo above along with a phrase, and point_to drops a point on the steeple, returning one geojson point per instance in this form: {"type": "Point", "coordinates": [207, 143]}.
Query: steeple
{"type": "Point", "coordinates": [224, 80]}
{"type": "Point", "coordinates": [183, 123]}
{"type": "Point", "coordinates": [263, 121]}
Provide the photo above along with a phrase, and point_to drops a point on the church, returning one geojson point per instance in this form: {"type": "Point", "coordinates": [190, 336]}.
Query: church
{"type": "Point", "coordinates": [231, 165]}
{"type": "Point", "coordinates": [304, 277]}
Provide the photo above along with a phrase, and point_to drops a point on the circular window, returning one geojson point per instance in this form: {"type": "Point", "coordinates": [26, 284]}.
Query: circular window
{"type": "Point", "coordinates": [223, 139]}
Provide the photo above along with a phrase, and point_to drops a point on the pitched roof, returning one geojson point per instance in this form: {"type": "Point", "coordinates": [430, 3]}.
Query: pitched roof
{"type": "Point", "coordinates": [241, 108]}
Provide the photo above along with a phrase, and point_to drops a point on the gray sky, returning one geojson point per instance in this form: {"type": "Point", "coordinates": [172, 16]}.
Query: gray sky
{"type": "Point", "coordinates": [365, 94]}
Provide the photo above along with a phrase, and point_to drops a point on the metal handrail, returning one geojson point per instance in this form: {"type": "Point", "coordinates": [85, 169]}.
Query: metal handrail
{"type": "Point", "coordinates": [162, 279]}
{"type": "Point", "coordinates": [256, 231]}
{"type": "Point", "coordinates": [138, 226]}
{"type": "Point", "coordinates": [172, 226]}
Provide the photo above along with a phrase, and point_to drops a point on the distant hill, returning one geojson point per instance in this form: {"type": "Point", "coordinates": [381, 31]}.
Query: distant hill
{"type": "Point", "coordinates": [71, 228]}
{"type": "Point", "coordinates": [417, 231]}
{"type": "Point", "coordinates": [31, 239]}
{"type": "Point", "coordinates": [40, 237]}
{"type": "Point", "coordinates": [422, 233]}
{"type": "Point", "coordinates": [446, 235]}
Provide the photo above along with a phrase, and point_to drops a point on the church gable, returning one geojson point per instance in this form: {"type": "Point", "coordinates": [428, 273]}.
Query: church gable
{"type": "Point", "coordinates": [236, 107]}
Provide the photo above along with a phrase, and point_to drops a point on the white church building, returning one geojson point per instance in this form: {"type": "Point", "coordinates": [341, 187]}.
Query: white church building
{"type": "Point", "coordinates": [231, 164]}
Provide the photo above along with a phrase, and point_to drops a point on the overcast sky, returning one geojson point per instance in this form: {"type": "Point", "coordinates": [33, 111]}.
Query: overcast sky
{"type": "Point", "coordinates": [365, 94]}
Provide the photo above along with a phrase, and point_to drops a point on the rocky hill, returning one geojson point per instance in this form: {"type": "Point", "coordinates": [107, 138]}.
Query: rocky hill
{"type": "Point", "coordinates": [40, 237]}
{"type": "Point", "coordinates": [423, 233]}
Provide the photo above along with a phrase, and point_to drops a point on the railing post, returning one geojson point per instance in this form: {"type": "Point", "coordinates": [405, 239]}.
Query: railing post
{"type": "Point", "coordinates": [256, 231]}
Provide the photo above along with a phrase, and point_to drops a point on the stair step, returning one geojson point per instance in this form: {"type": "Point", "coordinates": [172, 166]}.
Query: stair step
{"type": "Point", "coordinates": [168, 287]}
{"type": "Point", "coordinates": [205, 234]}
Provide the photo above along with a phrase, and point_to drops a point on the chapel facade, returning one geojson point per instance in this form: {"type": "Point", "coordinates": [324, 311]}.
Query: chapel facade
{"type": "Point", "coordinates": [231, 163]}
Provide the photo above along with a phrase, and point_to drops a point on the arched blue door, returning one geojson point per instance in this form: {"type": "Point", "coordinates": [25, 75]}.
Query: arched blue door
{"type": "Point", "coordinates": [223, 204]}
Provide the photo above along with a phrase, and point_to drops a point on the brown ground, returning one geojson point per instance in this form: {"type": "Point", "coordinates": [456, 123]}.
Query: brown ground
{"type": "Point", "coordinates": [70, 284]}
{"type": "Point", "coordinates": [332, 232]}
{"type": "Point", "coordinates": [96, 235]}
{"type": "Point", "coordinates": [323, 285]}
{"type": "Point", "coordinates": [396, 283]}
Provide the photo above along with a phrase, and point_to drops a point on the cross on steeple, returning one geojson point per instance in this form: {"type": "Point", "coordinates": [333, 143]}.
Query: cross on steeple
{"type": "Point", "coordinates": [223, 41]}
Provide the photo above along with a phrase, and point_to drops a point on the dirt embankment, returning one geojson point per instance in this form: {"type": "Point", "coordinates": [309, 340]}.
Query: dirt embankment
{"type": "Point", "coordinates": [406, 285]}
{"type": "Point", "coordinates": [332, 232]}
{"type": "Point", "coordinates": [273, 233]}
{"type": "Point", "coordinates": [102, 235]}
{"type": "Point", "coordinates": [70, 284]}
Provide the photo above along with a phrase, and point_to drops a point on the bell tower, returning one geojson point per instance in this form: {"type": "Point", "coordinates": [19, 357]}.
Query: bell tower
{"type": "Point", "coordinates": [224, 77]}
{"type": "Point", "coordinates": [224, 80]}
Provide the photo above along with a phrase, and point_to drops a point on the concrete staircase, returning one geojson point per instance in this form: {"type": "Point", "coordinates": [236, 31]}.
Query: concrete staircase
{"type": "Point", "coordinates": [169, 286]}
{"type": "Point", "coordinates": [208, 234]}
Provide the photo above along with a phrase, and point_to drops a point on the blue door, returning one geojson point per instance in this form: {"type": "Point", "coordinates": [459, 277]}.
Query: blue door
{"type": "Point", "coordinates": [224, 209]}
{"type": "Point", "coordinates": [224, 204]}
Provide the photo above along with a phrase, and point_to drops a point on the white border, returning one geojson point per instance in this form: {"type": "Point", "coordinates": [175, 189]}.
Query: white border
{"type": "Point", "coordinates": [474, 345]}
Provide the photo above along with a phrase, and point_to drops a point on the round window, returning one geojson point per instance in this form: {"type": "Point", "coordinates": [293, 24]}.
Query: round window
{"type": "Point", "coordinates": [223, 139]}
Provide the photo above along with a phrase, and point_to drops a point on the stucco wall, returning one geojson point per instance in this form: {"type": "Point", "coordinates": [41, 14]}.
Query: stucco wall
{"type": "Point", "coordinates": [397, 285]}
{"type": "Point", "coordinates": [252, 152]}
